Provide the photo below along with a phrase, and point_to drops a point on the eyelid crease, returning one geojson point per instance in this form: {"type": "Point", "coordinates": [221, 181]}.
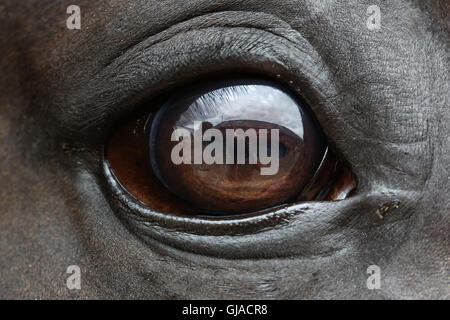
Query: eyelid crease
{"type": "Point", "coordinates": [230, 19]}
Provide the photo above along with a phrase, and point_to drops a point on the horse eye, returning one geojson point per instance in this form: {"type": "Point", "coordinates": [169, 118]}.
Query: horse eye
{"type": "Point", "coordinates": [227, 148]}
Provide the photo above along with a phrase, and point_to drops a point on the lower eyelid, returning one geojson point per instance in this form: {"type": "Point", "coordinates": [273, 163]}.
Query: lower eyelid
{"type": "Point", "coordinates": [309, 229]}
{"type": "Point", "coordinates": [291, 230]}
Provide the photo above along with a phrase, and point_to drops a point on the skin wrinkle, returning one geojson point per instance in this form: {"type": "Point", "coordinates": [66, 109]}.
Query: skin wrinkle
{"type": "Point", "coordinates": [231, 19]}
{"type": "Point", "coordinates": [57, 210]}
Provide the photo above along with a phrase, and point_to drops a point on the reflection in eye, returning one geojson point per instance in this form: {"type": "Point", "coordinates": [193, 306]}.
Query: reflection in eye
{"type": "Point", "coordinates": [227, 148]}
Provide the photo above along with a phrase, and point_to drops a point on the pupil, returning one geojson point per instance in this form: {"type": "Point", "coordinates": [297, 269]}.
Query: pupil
{"type": "Point", "coordinates": [283, 150]}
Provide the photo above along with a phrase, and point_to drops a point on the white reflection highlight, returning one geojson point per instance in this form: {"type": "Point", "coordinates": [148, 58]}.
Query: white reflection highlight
{"type": "Point", "coordinates": [244, 102]}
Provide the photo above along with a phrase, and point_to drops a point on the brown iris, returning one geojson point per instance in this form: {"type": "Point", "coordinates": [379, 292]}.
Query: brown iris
{"type": "Point", "coordinates": [227, 148]}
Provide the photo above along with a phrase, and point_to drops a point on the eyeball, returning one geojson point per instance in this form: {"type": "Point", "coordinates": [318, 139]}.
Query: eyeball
{"type": "Point", "coordinates": [227, 147]}
{"type": "Point", "coordinates": [235, 147]}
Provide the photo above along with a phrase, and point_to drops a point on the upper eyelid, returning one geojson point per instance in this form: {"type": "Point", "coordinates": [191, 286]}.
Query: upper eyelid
{"type": "Point", "coordinates": [107, 94]}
